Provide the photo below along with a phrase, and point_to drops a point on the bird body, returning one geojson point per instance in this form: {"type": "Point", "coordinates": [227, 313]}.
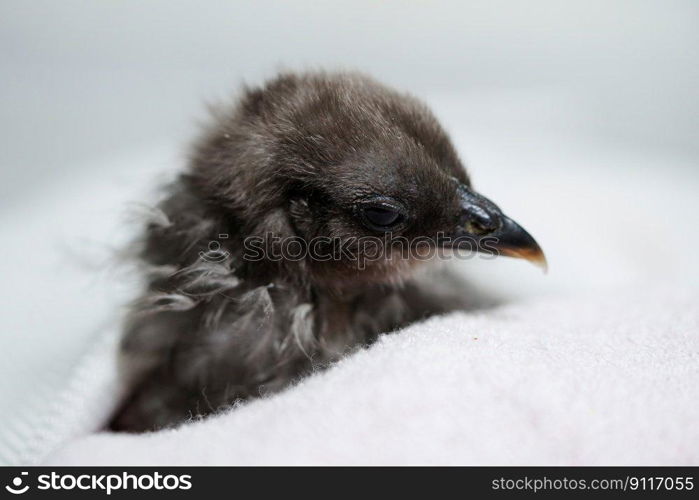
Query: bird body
{"type": "Point", "coordinates": [336, 165]}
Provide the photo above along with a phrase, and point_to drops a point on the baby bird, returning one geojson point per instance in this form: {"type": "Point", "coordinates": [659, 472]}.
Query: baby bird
{"type": "Point", "coordinates": [292, 238]}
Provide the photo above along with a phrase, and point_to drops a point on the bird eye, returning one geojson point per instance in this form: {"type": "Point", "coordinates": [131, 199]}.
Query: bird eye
{"type": "Point", "coordinates": [382, 217]}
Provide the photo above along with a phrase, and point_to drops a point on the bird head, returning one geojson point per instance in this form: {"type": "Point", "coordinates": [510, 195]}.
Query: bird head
{"type": "Point", "coordinates": [362, 179]}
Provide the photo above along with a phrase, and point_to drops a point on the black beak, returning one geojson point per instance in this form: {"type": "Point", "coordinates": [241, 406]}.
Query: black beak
{"type": "Point", "coordinates": [483, 227]}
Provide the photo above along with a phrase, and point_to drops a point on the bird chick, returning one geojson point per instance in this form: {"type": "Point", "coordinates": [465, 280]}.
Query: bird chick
{"type": "Point", "coordinates": [291, 239]}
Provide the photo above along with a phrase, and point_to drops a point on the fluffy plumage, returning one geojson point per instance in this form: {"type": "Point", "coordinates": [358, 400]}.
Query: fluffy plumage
{"type": "Point", "coordinates": [305, 156]}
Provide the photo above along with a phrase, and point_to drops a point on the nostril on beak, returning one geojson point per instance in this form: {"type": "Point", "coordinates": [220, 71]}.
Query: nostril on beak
{"type": "Point", "coordinates": [480, 222]}
{"type": "Point", "coordinates": [476, 228]}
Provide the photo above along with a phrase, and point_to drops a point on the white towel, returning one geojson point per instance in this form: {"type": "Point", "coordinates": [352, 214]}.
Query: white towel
{"type": "Point", "coordinates": [604, 380]}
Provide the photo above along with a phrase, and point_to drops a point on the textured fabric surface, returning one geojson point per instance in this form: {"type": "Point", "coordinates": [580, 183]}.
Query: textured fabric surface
{"type": "Point", "coordinates": [604, 380]}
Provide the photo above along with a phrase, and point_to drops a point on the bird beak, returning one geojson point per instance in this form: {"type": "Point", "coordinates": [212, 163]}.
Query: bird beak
{"type": "Point", "coordinates": [482, 225]}
{"type": "Point", "coordinates": [514, 241]}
